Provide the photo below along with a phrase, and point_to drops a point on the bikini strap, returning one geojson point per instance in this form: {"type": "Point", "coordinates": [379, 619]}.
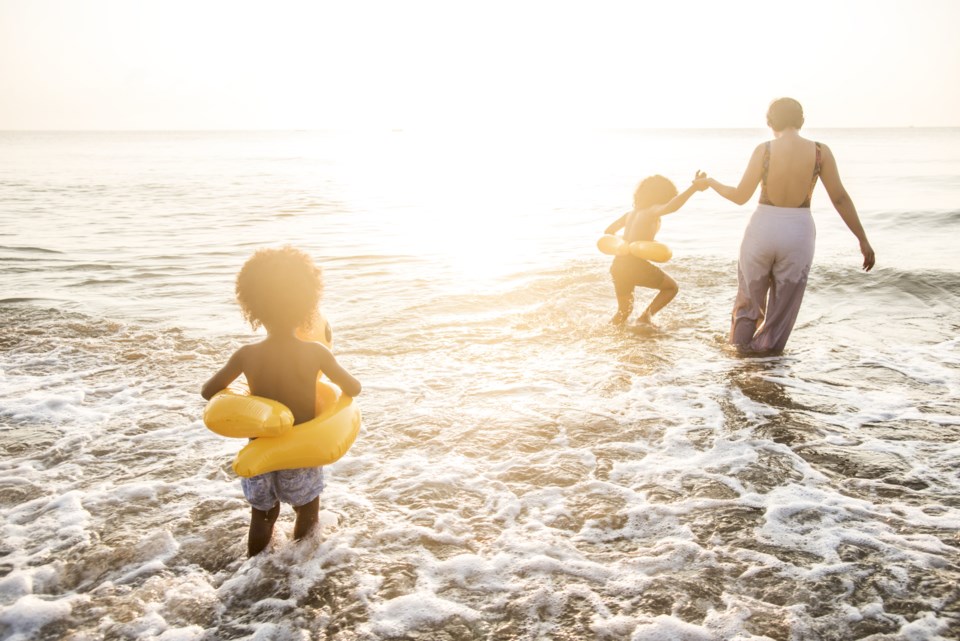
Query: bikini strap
{"type": "Point", "coordinates": [764, 200]}
{"type": "Point", "coordinates": [766, 162]}
{"type": "Point", "coordinates": [813, 179]}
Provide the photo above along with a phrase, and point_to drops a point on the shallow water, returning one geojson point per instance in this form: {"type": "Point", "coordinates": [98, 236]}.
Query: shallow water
{"type": "Point", "coordinates": [524, 471]}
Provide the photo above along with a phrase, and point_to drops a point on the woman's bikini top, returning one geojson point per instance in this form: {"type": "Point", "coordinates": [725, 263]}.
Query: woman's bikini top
{"type": "Point", "coordinates": [764, 200]}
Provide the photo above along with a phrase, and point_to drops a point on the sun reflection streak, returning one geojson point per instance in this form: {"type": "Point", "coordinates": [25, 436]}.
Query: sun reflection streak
{"type": "Point", "coordinates": [470, 199]}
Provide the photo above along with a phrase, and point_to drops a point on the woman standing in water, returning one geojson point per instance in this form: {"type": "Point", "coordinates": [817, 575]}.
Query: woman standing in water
{"type": "Point", "coordinates": [778, 244]}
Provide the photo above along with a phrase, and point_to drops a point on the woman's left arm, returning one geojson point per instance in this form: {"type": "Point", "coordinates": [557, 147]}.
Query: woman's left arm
{"type": "Point", "coordinates": [830, 176]}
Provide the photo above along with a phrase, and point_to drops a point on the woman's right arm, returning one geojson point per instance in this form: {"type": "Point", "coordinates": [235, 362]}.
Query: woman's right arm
{"type": "Point", "coordinates": [748, 184]}
{"type": "Point", "coordinates": [830, 176]}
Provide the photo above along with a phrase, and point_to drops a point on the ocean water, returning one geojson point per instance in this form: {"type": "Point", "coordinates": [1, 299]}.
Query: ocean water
{"type": "Point", "coordinates": [525, 471]}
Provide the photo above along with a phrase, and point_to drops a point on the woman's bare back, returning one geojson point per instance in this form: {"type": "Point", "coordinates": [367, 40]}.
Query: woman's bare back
{"type": "Point", "coordinates": [792, 172]}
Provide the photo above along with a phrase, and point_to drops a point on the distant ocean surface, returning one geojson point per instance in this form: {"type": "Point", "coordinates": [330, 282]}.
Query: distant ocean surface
{"type": "Point", "coordinates": [525, 471]}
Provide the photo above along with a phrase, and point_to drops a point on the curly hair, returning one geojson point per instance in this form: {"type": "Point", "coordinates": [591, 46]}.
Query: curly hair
{"type": "Point", "coordinates": [654, 190]}
{"type": "Point", "coordinates": [280, 288]}
{"type": "Point", "coordinates": [783, 113]}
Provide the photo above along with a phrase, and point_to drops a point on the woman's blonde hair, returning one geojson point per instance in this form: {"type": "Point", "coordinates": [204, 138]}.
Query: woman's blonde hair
{"type": "Point", "coordinates": [654, 190]}
{"type": "Point", "coordinates": [279, 288]}
{"type": "Point", "coordinates": [783, 113]}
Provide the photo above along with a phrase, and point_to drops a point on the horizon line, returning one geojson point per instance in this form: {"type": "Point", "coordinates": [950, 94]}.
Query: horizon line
{"type": "Point", "coordinates": [449, 128]}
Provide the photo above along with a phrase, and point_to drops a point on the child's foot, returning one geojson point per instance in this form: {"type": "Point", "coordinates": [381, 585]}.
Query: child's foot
{"type": "Point", "coordinates": [646, 319]}
{"type": "Point", "coordinates": [620, 317]}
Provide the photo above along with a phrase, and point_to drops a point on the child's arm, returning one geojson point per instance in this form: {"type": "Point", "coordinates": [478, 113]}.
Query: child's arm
{"type": "Point", "coordinates": [227, 374]}
{"type": "Point", "coordinates": [699, 184]}
{"type": "Point", "coordinates": [335, 372]}
{"type": "Point", "coordinates": [618, 224]}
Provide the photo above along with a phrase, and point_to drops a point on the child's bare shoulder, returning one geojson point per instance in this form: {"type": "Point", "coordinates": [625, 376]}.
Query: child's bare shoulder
{"type": "Point", "coordinates": [244, 358]}
{"type": "Point", "coordinates": [317, 351]}
{"type": "Point", "coordinates": [250, 350]}
{"type": "Point", "coordinates": [653, 211]}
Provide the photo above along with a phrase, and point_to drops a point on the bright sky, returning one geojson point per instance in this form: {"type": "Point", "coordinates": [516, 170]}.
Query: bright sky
{"type": "Point", "coordinates": [285, 64]}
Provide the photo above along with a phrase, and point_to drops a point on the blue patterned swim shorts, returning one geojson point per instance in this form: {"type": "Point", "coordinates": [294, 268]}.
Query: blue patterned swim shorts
{"type": "Point", "coordinates": [296, 487]}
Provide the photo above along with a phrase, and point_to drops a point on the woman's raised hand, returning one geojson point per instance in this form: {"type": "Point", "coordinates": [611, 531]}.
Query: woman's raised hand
{"type": "Point", "coordinates": [700, 181]}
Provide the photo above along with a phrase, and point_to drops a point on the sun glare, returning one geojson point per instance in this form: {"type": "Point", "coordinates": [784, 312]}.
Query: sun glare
{"type": "Point", "coordinates": [471, 199]}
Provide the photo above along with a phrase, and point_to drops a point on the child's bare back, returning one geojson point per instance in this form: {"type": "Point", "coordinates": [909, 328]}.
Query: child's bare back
{"type": "Point", "coordinates": [642, 224]}
{"type": "Point", "coordinates": [284, 368]}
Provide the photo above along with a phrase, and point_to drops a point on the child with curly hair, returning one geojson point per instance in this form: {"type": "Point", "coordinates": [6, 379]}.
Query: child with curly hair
{"type": "Point", "coordinates": [280, 290]}
{"type": "Point", "coordinates": [655, 196]}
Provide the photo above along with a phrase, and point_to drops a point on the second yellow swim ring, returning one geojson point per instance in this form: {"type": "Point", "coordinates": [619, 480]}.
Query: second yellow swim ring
{"type": "Point", "coordinates": [647, 249]}
{"type": "Point", "coordinates": [279, 444]}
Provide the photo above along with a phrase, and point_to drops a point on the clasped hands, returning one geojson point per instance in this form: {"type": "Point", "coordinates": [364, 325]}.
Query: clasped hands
{"type": "Point", "coordinates": [700, 181]}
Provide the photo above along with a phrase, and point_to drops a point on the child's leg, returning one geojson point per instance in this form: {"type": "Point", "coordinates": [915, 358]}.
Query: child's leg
{"type": "Point", "coordinates": [261, 529]}
{"type": "Point", "coordinates": [301, 488]}
{"type": "Point", "coordinates": [668, 289]}
{"type": "Point", "coordinates": [624, 309]}
{"type": "Point", "coordinates": [623, 286]}
{"type": "Point", "coordinates": [307, 516]}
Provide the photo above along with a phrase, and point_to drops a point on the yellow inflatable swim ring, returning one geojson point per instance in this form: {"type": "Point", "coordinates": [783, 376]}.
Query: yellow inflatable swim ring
{"type": "Point", "coordinates": [317, 332]}
{"type": "Point", "coordinates": [237, 415]}
{"type": "Point", "coordinates": [646, 249]}
{"type": "Point", "coordinates": [279, 444]}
